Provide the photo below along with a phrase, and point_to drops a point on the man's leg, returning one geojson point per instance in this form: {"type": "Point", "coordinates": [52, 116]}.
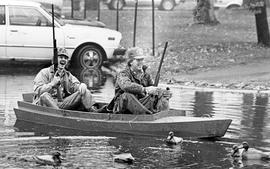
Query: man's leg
{"type": "Point", "coordinates": [71, 102]}
{"type": "Point", "coordinates": [87, 100]}
{"type": "Point", "coordinates": [76, 100]}
{"type": "Point", "coordinates": [47, 100]}
{"type": "Point", "coordinates": [129, 102]}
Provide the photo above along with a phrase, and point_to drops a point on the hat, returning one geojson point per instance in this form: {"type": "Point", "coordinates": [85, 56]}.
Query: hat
{"type": "Point", "coordinates": [62, 52]}
{"type": "Point", "coordinates": [135, 53]}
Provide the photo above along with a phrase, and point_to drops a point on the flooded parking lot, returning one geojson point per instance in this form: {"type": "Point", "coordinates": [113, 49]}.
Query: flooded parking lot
{"type": "Point", "coordinates": [249, 113]}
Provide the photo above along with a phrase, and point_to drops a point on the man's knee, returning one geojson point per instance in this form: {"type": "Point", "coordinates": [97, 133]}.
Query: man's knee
{"type": "Point", "coordinates": [128, 95]}
{"type": "Point", "coordinates": [45, 97]}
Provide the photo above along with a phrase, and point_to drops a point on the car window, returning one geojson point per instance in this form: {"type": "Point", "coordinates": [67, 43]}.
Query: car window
{"type": "Point", "coordinates": [26, 16]}
{"type": "Point", "coordinates": [2, 15]}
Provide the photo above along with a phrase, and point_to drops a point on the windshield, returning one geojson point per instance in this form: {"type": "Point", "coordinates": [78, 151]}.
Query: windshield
{"type": "Point", "coordinates": [57, 15]}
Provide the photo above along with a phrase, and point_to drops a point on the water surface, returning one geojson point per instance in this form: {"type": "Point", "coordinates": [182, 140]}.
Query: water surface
{"type": "Point", "coordinates": [19, 140]}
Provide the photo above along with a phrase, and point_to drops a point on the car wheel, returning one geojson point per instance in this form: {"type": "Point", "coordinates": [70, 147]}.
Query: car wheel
{"type": "Point", "coordinates": [113, 4]}
{"type": "Point", "coordinates": [90, 56]}
{"type": "Point", "coordinates": [167, 5]}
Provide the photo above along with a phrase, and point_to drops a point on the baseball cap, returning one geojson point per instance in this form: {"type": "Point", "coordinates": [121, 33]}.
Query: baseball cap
{"type": "Point", "coordinates": [62, 52]}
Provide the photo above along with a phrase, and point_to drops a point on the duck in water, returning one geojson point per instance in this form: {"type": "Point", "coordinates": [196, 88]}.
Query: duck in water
{"type": "Point", "coordinates": [124, 158]}
{"type": "Point", "coordinates": [173, 140]}
{"type": "Point", "coordinates": [55, 159]}
{"type": "Point", "coordinates": [243, 151]}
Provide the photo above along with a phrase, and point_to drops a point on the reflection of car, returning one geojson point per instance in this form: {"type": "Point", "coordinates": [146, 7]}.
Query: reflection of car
{"type": "Point", "coordinates": [228, 4]}
{"type": "Point", "coordinates": [26, 34]}
{"type": "Point", "coordinates": [166, 5]}
{"type": "Point", "coordinates": [93, 78]}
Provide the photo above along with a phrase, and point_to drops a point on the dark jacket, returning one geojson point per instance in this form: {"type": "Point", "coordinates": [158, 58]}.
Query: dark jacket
{"type": "Point", "coordinates": [130, 82]}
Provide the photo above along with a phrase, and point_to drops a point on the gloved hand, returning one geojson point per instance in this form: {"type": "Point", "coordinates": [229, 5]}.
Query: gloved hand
{"type": "Point", "coordinates": [56, 81]}
{"type": "Point", "coordinates": [151, 89]}
{"type": "Point", "coordinates": [82, 88]}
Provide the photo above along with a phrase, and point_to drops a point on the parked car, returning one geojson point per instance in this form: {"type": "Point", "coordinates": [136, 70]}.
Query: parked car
{"type": "Point", "coordinates": [166, 5]}
{"type": "Point", "coordinates": [59, 15]}
{"type": "Point", "coordinates": [228, 4]}
{"type": "Point", "coordinates": [26, 34]}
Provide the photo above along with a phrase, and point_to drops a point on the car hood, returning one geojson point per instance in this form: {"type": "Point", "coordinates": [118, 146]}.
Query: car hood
{"type": "Point", "coordinates": [84, 23]}
{"type": "Point", "coordinates": [89, 33]}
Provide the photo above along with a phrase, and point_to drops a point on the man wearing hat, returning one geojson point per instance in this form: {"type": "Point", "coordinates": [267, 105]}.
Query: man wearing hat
{"type": "Point", "coordinates": [61, 89]}
{"type": "Point", "coordinates": [132, 84]}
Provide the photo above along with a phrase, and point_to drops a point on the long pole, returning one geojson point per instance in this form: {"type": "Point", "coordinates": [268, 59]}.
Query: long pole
{"type": "Point", "coordinates": [117, 15]}
{"type": "Point", "coordinates": [84, 9]}
{"type": "Point", "coordinates": [72, 7]}
{"type": "Point", "coordinates": [135, 24]}
{"type": "Point", "coordinates": [98, 9]}
{"type": "Point", "coordinates": [153, 28]}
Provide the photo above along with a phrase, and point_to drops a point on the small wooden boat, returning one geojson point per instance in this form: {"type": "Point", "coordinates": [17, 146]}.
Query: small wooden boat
{"type": "Point", "coordinates": [158, 124]}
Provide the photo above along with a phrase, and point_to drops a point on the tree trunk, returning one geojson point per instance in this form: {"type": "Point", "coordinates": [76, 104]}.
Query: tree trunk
{"type": "Point", "coordinates": [204, 13]}
{"type": "Point", "coordinates": [262, 26]}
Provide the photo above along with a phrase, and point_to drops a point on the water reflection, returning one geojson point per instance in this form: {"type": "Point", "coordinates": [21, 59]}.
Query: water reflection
{"type": "Point", "coordinates": [93, 78]}
{"type": "Point", "coordinates": [203, 104]}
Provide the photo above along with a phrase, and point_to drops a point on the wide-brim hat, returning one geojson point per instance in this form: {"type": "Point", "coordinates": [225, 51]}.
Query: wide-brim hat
{"type": "Point", "coordinates": [135, 53]}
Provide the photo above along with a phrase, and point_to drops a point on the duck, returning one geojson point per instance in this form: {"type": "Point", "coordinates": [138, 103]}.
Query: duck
{"type": "Point", "coordinates": [248, 153]}
{"type": "Point", "coordinates": [173, 140]}
{"type": "Point", "coordinates": [124, 158]}
{"type": "Point", "coordinates": [54, 159]}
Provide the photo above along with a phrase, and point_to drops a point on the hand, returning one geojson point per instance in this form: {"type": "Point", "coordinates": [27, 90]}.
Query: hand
{"type": "Point", "coordinates": [167, 93]}
{"type": "Point", "coordinates": [151, 89]}
{"type": "Point", "coordinates": [56, 81]}
{"type": "Point", "coordinates": [82, 88]}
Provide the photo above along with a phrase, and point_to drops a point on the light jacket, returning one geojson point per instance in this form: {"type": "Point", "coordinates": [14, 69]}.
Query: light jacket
{"type": "Point", "coordinates": [68, 85]}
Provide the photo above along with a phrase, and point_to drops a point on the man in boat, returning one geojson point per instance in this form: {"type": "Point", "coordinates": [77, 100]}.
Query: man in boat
{"type": "Point", "coordinates": [134, 90]}
{"type": "Point", "coordinates": [61, 89]}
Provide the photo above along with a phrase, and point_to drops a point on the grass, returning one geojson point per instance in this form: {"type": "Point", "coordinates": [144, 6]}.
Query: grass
{"type": "Point", "coordinates": [191, 47]}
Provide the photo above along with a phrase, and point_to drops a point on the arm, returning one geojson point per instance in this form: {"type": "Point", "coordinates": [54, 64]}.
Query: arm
{"type": "Point", "coordinates": [42, 82]}
{"type": "Point", "coordinates": [74, 83]}
{"type": "Point", "coordinates": [127, 85]}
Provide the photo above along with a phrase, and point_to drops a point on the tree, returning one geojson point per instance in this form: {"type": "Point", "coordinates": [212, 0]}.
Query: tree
{"type": "Point", "coordinates": [204, 13]}
{"type": "Point", "coordinates": [259, 9]}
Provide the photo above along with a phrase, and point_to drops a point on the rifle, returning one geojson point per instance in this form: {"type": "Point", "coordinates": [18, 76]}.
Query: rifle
{"type": "Point", "coordinates": [54, 42]}
{"type": "Point", "coordinates": [160, 64]}
{"type": "Point", "coordinates": [55, 61]}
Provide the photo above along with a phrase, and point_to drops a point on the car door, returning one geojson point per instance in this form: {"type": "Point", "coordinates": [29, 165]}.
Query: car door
{"type": "Point", "coordinates": [2, 32]}
{"type": "Point", "coordinates": [29, 35]}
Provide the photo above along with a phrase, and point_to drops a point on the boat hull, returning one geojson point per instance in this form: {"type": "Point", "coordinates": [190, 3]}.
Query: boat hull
{"type": "Point", "coordinates": [157, 124]}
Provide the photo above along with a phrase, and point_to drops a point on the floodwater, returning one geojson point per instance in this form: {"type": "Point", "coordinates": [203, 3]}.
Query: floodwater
{"type": "Point", "coordinates": [20, 140]}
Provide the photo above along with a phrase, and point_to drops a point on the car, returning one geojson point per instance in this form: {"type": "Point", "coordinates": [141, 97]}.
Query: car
{"type": "Point", "coordinates": [228, 4]}
{"type": "Point", "coordinates": [73, 21]}
{"type": "Point", "coordinates": [26, 34]}
{"type": "Point", "coordinates": [166, 5]}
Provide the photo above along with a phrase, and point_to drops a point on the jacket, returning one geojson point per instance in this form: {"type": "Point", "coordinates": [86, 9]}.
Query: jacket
{"type": "Point", "coordinates": [68, 85]}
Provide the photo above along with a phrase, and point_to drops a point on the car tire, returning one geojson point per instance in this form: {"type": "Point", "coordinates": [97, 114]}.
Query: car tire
{"type": "Point", "coordinates": [167, 5]}
{"type": "Point", "coordinates": [90, 56]}
{"type": "Point", "coordinates": [113, 4]}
